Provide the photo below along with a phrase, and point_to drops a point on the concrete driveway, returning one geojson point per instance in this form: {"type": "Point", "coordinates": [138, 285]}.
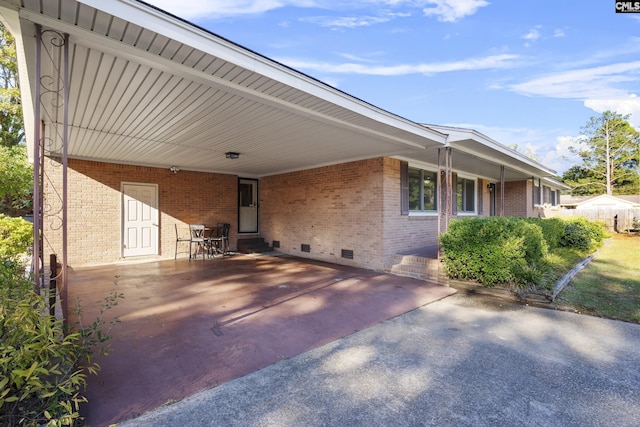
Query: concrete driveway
{"type": "Point", "coordinates": [461, 361]}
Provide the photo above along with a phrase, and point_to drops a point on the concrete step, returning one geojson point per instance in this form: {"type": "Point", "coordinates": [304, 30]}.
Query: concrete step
{"type": "Point", "coordinates": [253, 245]}
{"type": "Point", "coordinates": [416, 267]}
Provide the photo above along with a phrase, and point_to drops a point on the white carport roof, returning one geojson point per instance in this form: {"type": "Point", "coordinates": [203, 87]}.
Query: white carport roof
{"type": "Point", "coordinates": [148, 88]}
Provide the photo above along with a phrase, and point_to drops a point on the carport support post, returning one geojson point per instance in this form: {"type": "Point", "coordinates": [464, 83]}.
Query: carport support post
{"type": "Point", "coordinates": [37, 188]}
{"type": "Point", "coordinates": [38, 170]}
{"type": "Point", "coordinates": [65, 143]}
{"type": "Point", "coordinates": [502, 190]}
{"type": "Point", "coordinates": [446, 195]}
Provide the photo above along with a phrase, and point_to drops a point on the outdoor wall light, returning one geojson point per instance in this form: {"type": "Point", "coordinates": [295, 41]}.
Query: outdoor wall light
{"type": "Point", "coordinates": [232, 155]}
{"type": "Point", "coordinates": [174, 169]}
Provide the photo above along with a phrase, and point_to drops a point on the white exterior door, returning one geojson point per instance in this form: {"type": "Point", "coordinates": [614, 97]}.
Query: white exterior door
{"type": "Point", "coordinates": [139, 219]}
{"type": "Point", "coordinates": [248, 205]}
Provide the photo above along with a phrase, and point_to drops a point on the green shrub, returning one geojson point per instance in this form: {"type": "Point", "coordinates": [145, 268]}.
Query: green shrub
{"type": "Point", "coordinates": [493, 250]}
{"type": "Point", "coordinates": [515, 251]}
{"type": "Point", "coordinates": [582, 234]}
{"type": "Point", "coordinates": [552, 230]}
{"type": "Point", "coordinates": [16, 237]}
{"type": "Point", "coordinates": [42, 366]}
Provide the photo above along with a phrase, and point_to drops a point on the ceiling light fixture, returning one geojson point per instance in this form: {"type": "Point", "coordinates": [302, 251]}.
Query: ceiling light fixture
{"type": "Point", "coordinates": [232, 155]}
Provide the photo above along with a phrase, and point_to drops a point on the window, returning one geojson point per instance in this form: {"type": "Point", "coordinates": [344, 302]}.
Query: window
{"type": "Point", "coordinates": [546, 195]}
{"type": "Point", "coordinates": [423, 190]}
{"type": "Point", "coordinates": [466, 195]}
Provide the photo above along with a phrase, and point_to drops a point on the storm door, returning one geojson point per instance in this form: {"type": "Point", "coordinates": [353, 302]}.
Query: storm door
{"type": "Point", "coordinates": [248, 205]}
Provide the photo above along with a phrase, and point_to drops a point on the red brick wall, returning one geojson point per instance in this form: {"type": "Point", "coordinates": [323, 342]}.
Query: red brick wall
{"type": "Point", "coordinates": [353, 206]}
{"type": "Point", "coordinates": [403, 232]}
{"type": "Point", "coordinates": [329, 208]}
{"type": "Point", "coordinates": [94, 207]}
{"type": "Point", "coordinates": [518, 198]}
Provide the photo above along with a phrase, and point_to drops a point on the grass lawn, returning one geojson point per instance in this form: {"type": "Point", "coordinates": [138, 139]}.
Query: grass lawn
{"type": "Point", "coordinates": [610, 285]}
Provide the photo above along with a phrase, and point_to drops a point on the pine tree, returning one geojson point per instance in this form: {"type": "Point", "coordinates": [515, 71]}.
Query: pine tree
{"type": "Point", "coordinates": [610, 155]}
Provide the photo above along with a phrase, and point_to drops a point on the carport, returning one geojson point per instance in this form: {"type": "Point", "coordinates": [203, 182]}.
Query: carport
{"type": "Point", "coordinates": [188, 326]}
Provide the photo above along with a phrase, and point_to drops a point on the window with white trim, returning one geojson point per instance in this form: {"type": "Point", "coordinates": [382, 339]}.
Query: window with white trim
{"type": "Point", "coordinates": [423, 190]}
{"type": "Point", "coordinates": [466, 195]}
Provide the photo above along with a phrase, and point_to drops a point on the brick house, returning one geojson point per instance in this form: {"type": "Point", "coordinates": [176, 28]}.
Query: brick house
{"type": "Point", "coordinates": [145, 122]}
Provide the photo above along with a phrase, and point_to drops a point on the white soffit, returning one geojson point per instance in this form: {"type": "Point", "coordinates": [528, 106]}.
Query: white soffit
{"type": "Point", "coordinates": [147, 88]}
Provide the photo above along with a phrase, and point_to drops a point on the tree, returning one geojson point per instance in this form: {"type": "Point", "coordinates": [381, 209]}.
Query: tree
{"type": "Point", "coordinates": [11, 122]}
{"type": "Point", "coordinates": [610, 155]}
{"type": "Point", "coordinates": [16, 173]}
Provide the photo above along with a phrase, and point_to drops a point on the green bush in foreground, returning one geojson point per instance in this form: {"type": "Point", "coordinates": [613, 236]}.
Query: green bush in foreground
{"type": "Point", "coordinates": [42, 368]}
{"type": "Point", "coordinates": [511, 250]}
{"type": "Point", "coordinates": [16, 237]}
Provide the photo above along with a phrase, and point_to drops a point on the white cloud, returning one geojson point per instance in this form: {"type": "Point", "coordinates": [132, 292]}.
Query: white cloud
{"type": "Point", "coordinates": [598, 87]}
{"type": "Point", "coordinates": [487, 62]}
{"type": "Point", "coordinates": [452, 10]}
{"type": "Point", "coordinates": [587, 83]}
{"type": "Point", "coordinates": [622, 105]}
{"type": "Point", "coordinates": [533, 34]}
{"type": "Point", "coordinates": [191, 9]}
{"type": "Point", "coordinates": [558, 33]}
{"type": "Point", "coordinates": [560, 158]}
{"type": "Point", "coordinates": [346, 21]}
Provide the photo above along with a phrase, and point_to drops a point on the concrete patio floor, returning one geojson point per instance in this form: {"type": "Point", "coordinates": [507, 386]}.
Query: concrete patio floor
{"type": "Point", "coordinates": [186, 326]}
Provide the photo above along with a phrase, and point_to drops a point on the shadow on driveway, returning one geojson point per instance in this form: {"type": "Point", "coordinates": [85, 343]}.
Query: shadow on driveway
{"type": "Point", "coordinates": [190, 326]}
{"type": "Point", "coordinates": [460, 361]}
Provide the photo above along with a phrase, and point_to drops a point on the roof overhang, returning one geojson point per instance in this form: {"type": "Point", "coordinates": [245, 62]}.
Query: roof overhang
{"type": "Point", "coordinates": [478, 154]}
{"type": "Point", "coordinates": [147, 88]}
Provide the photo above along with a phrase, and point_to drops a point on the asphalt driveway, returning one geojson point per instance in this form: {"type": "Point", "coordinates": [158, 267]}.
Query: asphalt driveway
{"type": "Point", "coordinates": [460, 361]}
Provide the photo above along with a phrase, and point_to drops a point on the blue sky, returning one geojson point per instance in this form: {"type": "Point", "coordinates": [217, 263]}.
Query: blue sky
{"type": "Point", "coordinates": [526, 72]}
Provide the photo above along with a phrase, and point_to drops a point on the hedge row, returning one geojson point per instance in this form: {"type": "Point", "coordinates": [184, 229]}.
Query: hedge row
{"type": "Point", "coordinates": [509, 250]}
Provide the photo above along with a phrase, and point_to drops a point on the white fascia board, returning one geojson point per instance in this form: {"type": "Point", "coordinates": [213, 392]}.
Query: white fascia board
{"type": "Point", "coordinates": [11, 20]}
{"type": "Point", "coordinates": [181, 31]}
{"type": "Point", "coordinates": [556, 184]}
{"type": "Point", "coordinates": [433, 167]}
{"type": "Point", "coordinates": [462, 134]}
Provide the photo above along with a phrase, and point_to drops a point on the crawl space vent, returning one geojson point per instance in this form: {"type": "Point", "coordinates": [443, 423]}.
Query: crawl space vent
{"type": "Point", "coordinates": [347, 253]}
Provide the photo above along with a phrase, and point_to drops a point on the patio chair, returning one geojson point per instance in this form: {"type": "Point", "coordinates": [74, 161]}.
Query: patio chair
{"type": "Point", "coordinates": [196, 237]}
{"type": "Point", "coordinates": [179, 239]}
{"type": "Point", "coordinates": [220, 242]}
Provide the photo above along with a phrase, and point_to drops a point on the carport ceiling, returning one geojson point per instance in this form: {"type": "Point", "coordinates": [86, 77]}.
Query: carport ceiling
{"type": "Point", "coordinates": [149, 89]}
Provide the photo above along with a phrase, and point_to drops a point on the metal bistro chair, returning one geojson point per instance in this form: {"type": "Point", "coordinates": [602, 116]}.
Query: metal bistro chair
{"type": "Point", "coordinates": [179, 239]}
{"type": "Point", "coordinates": [197, 238]}
{"type": "Point", "coordinates": [219, 243]}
